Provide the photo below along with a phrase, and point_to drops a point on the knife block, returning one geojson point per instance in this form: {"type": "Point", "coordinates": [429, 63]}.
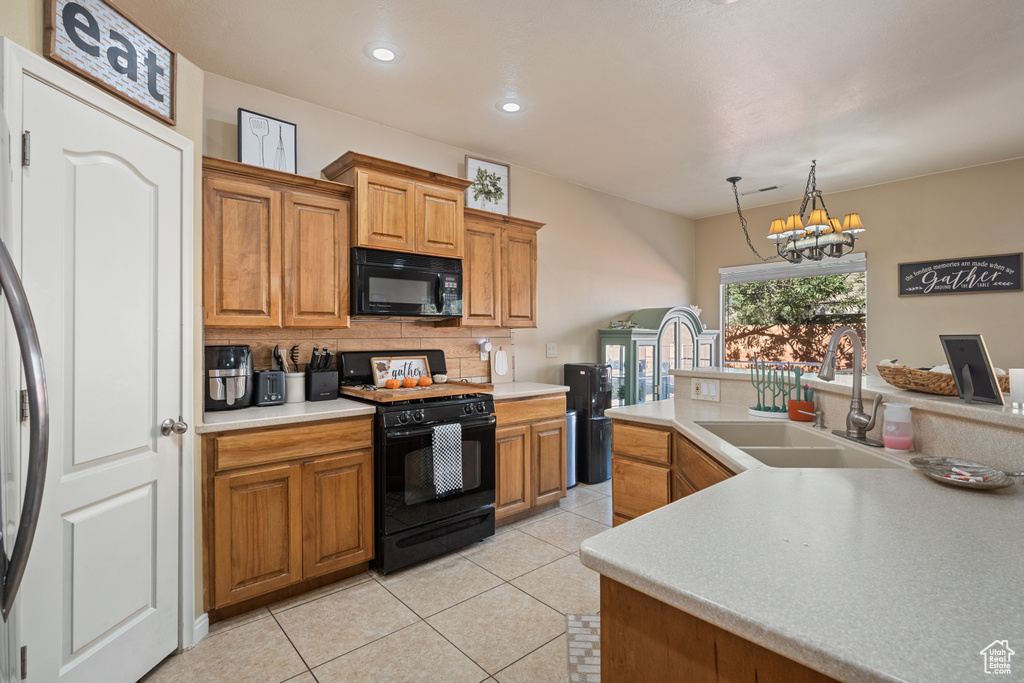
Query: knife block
{"type": "Point", "coordinates": [321, 386]}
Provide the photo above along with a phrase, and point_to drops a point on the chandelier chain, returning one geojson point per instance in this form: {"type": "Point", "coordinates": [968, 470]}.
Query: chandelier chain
{"type": "Point", "coordinates": [811, 188]}
{"type": "Point", "coordinates": [743, 224]}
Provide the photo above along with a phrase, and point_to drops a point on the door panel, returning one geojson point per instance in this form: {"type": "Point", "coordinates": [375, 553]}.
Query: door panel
{"type": "Point", "coordinates": [519, 275]}
{"type": "Point", "coordinates": [439, 221]}
{"type": "Point", "coordinates": [387, 212]}
{"type": "Point", "coordinates": [548, 460]}
{"type": "Point", "coordinates": [102, 262]}
{"type": "Point", "coordinates": [512, 478]}
{"type": "Point", "coordinates": [120, 426]}
{"type": "Point", "coordinates": [337, 510]}
{"type": "Point", "coordinates": [241, 254]}
{"type": "Point", "coordinates": [315, 261]}
{"type": "Point", "coordinates": [258, 532]}
{"type": "Point", "coordinates": [482, 272]}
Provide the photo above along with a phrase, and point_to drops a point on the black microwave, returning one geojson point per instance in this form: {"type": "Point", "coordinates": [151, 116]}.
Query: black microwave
{"type": "Point", "coordinates": [391, 283]}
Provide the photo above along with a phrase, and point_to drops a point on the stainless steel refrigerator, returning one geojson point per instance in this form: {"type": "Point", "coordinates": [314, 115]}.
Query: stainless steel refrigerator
{"type": "Point", "coordinates": [19, 324]}
{"type": "Point", "coordinates": [590, 394]}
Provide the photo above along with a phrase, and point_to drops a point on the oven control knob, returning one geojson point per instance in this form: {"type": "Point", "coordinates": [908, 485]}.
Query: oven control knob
{"type": "Point", "coordinates": [480, 407]}
{"type": "Point", "coordinates": [403, 418]}
{"type": "Point", "coordinates": [468, 408]}
{"type": "Point", "coordinates": [418, 416]}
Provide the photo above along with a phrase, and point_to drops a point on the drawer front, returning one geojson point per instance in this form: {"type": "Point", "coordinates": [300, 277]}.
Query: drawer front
{"type": "Point", "coordinates": [697, 466]}
{"type": "Point", "coordinates": [256, 447]}
{"type": "Point", "coordinates": [529, 410]}
{"type": "Point", "coordinates": [641, 442]}
{"type": "Point", "coordinates": [638, 488]}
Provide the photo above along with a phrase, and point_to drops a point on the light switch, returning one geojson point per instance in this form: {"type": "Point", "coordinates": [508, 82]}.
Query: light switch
{"type": "Point", "coordinates": [552, 350]}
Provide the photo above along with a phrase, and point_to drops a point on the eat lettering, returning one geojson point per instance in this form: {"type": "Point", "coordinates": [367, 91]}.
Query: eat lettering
{"type": "Point", "coordinates": [79, 23]}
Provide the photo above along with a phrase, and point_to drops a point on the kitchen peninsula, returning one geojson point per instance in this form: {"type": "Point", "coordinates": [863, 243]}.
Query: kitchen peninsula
{"type": "Point", "coordinates": [807, 573]}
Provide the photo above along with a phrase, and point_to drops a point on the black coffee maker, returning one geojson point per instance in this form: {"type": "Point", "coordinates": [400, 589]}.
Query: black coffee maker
{"type": "Point", "coordinates": [229, 381]}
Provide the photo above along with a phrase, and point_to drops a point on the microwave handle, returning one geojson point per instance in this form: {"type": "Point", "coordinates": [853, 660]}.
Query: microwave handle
{"type": "Point", "coordinates": [439, 292]}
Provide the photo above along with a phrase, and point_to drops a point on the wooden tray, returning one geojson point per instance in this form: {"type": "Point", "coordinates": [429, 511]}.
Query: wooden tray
{"type": "Point", "coordinates": [433, 391]}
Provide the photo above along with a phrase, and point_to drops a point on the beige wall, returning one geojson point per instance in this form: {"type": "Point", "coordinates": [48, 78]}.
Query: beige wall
{"type": "Point", "coordinates": [970, 212]}
{"type": "Point", "coordinates": [600, 257]}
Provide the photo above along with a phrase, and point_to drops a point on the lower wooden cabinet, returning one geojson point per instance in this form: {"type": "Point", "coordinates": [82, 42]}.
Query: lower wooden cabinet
{"type": "Point", "coordinates": [530, 455]}
{"type": "Point", "coordinates": [270, 525]}
{"type": "Point", "coordinates": [654, 466]}
{"type": "Point", "coordinates": [258, 531]}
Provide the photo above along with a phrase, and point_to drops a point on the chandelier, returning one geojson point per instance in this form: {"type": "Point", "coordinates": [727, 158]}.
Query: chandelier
{"type": "Point", "coordinates": [817, 237]}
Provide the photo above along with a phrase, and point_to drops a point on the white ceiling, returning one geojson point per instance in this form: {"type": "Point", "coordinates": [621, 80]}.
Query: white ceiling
{"type": "Point", "coordinates": [657, 101]}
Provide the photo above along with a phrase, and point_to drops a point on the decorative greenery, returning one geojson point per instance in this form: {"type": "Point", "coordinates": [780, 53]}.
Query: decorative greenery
{"type": "Point", "coordinates": [824, 298]}
{"type": "Point", "coordinates": [487, 185]}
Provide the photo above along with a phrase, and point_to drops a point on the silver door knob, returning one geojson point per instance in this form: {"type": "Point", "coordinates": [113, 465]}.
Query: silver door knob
{"type": "Point", "coordinates": [169, 425]}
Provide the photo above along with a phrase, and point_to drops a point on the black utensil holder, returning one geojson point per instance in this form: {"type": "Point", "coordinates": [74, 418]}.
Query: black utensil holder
{"type": "Point", "coordinates": [321, 386]}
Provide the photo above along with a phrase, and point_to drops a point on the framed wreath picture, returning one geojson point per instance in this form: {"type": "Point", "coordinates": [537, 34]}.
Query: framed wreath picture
{"type": "Point", "coordinates": [265, 141]}
{"type": "Point", "coordinates": [490, 188]}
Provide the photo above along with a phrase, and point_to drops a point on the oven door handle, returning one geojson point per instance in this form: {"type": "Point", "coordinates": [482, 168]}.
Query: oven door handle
{"type": "Point", "coordinates": [406, 433]}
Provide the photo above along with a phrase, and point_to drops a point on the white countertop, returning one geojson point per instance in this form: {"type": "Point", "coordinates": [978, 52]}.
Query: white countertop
{"type": "Point", "coordinates": [507, 390]}
{"type": "Point", "coordinates": [286, 413]}
{"type": "Point", "coordinates": [861, 574]}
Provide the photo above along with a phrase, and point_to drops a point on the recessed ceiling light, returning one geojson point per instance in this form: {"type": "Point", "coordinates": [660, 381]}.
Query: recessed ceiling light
{"type": "Point", "coordinates": [510, 105]}
{"type": "Point", "coordinates": [384, 53]}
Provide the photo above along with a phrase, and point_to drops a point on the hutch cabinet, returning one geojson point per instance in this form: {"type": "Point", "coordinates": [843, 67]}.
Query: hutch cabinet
{"type": "Point", "coordinates": [658, 340]}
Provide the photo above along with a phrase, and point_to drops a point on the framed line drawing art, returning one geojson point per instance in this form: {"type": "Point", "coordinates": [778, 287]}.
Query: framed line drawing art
{"type": "Point", "coordinates": [266, 142]}
{"type": "Point", "coordinates": [490, 188]}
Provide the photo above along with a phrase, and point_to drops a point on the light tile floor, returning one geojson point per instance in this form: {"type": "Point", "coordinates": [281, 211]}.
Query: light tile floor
{"type": "Point", "coordinates": [493, 611]}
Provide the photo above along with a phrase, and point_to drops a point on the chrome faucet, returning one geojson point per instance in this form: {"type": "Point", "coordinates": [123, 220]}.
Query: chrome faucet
{"type": "Point", "coordinates": [858, 423]}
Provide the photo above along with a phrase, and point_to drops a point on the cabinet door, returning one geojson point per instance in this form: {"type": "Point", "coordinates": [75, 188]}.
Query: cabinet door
{"type": "Point", "coordinates": [548, 455]}
{"type": "Point", "coordinates": [696, 465]}
{"type": "Point", "coordinates": [385, 212]}
{"type": "Point", "coordinates": [681, 487]}
{"type": "Point", "coordinates": [638, 488]}
{"type": "Point", "coordinates": [316, 270]}
{"type": "Point", "coordinates": [519, 278]}
{"type": "Point", "coordinates": [439, 221]}
{"type": "Point", "coordinates": [512, 471]}
{"type": "Point", "coordinates": [481, 276]}
{"type": "Point", "coordinates": [337, 512]}
{"type": "Point", "coordinates": [257, 532]}
{"type": "Point", "coordinates": [241, 254]}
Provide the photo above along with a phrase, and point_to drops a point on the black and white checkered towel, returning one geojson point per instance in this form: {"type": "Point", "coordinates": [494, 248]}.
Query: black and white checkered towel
{"type": "Point", "coordinates": [447, 458]}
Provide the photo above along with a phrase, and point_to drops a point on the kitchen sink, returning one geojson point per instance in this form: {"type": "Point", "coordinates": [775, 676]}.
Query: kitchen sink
{"type": "Point", "coordinates": [781, 444]}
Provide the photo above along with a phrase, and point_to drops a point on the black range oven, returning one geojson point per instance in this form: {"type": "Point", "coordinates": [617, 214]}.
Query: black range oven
{"type": "Point", "coordinates": [416, 518]}
{"type": "Point", "coordinates": [434, 467]}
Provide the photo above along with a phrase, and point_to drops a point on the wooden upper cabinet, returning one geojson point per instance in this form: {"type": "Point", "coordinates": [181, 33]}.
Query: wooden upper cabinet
{"type": "Point", "coordinates": [499, 271]}
{"type": "Point", "coordinates": [519, 273]}
{"type": "Point", "coordinates": [439, 221]}
{"type": "Point", "coordinates": [481, 275]}
{"type": "Point", "coordinates": [402, 208]}
{"type": "Point", "coordinates": [337, 511]}
{"type": "Point", "coordinates": [257, 532]}
{"type": "Point", "coordinates": [316, 283]}
{"type": "Point", "coordinates": [275, 248]}
{"type": "Point", "coordinates": [385, 212]}
{"type": "Point", "coordinates": [241, 254]}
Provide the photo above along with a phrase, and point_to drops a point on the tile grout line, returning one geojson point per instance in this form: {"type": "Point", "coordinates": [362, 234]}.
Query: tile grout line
{"type": "Point", "coordinates": [289, 638]}
{"type": "Point", "coordinates": [355, 649]}
{"type": "Point", "coordinates": [563, 633]}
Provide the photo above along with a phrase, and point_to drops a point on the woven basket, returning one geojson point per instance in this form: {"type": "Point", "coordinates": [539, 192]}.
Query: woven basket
{"type": "Point", "coordinates": [903, 377]}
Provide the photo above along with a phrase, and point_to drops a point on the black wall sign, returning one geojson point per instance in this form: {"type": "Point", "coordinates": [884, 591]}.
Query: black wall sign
{"type": "Point", "coordinates": [959, 275]}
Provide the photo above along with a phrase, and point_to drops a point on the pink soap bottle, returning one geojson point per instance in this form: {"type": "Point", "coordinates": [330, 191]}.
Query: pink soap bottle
{"type": "Point", "coordinates": [898, 432]}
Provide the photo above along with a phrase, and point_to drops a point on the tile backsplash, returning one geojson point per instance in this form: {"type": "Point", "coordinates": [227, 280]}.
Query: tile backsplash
{"type": "Point", "coordinates": [460, 344]}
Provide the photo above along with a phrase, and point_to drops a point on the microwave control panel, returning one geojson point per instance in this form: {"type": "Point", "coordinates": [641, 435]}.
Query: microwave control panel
{"type": "Point", "coordinates": [451, 291]}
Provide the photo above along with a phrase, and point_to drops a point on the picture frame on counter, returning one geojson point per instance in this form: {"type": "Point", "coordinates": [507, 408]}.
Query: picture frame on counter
{"type": "Point", "coordinates": [491, 185]}
{"type": "Point", "coordinates": [267, 142]}
{"type": "Point", "coordinates": [398, 367]}
{"type": "Point", "coordinates": [971, 368]}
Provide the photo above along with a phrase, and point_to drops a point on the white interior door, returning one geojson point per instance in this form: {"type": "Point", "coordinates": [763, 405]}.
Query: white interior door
{"type": "Point", "coordinates": [101, 262]}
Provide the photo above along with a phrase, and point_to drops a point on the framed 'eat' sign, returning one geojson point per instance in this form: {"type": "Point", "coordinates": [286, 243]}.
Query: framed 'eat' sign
{"type": "Point", "coordinates": [102, 44]}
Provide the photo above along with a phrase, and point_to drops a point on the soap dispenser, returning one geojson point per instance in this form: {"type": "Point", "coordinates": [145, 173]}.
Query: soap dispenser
{"type": "Point", "coordinates": [898, 432]}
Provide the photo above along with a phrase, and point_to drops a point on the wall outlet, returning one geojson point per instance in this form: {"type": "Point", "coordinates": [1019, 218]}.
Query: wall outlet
{"type": "Point", "coordinates": [552, 350]}
{"type": "Point", "coordinates": [705, 389]}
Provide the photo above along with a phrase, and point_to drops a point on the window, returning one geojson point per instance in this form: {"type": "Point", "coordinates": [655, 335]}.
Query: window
{"type": "Point", "coordinates": [786, 312]}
